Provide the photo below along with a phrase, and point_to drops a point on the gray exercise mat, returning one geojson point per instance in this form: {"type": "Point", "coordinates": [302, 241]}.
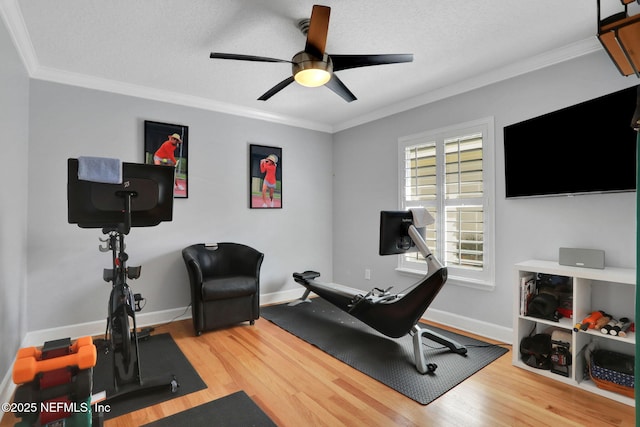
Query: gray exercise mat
{"type": "Point", "coordinates": [388, 360]}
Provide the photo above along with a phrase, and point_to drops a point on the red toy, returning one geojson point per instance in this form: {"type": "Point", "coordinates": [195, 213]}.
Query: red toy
{"type": "Point", "coordinates": [590, 321]}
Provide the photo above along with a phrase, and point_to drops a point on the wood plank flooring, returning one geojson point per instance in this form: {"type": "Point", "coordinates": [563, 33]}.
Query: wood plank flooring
{"type": "Point", "coordinates": [297, 384]}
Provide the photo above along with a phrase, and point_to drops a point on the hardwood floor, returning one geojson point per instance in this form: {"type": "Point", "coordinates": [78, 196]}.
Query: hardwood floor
{"type": "Point", "coordinates": [297, 384]}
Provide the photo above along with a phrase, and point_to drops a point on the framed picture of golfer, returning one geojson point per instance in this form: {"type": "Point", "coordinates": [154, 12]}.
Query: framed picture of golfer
{"type": "Point", "coordinates": [168, 145]}
{"type": "Point", "coordinates": [265, 177]}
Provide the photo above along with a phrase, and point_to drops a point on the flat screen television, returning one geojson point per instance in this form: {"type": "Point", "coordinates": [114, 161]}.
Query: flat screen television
{"type": "Point", "coordinates": [586, 148]}
{"type": "Point", "coordinates": [99, 205]}
{"type": "Point", "coordinates": [394, 233]}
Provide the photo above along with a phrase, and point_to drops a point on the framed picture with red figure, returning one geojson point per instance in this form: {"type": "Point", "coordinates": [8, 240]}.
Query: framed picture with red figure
{"type": "Point", "coordinates": [265, 177]}
{"type": "Point", "coordinates": [168, 145]}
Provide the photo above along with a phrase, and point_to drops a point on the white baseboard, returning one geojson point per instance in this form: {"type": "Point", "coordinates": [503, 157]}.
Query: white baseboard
{"type": "Point", "coordinates": [37, 338]}
{"type": "Point", "coordinates": [282, 296]}
{"type": "Point", "coordinates": [474, 326]}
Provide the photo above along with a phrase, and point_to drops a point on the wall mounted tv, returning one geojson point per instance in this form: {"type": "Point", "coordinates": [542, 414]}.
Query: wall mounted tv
{"type": "Point", "coordinates": [586, 148]}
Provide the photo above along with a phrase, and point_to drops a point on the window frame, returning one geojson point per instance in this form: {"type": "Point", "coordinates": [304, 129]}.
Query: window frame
{"type": "Point", "coordinates": [484, 279]}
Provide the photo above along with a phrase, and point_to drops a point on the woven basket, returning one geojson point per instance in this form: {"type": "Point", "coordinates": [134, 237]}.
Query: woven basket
{"type": "Point", "coordinates": [609, 379]}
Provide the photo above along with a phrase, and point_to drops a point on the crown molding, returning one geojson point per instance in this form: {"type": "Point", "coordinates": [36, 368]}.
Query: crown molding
{"type": "Point", "coordinates": [128, 89]}
{"type": "Point", "coordinates": [562, 54]}
{"type": "Point", "coordinates": [14, 22]}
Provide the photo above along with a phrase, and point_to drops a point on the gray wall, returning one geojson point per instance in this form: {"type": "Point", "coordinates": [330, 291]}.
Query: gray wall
{"type": "Point", "coordinates": [366, 181]}
{"type": "Point", "coordinates": [65, 265]}
{"type": "Point", "coordinates": [14, 125]}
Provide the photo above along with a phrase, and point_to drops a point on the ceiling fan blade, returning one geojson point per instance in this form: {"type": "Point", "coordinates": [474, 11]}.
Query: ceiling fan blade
{"type": "Point", "coordinates": [343, 62]}
{"type": "Point", "coordinates": [277, 88]}
{"type": "Point", "coordinates": [318, 28]}
{"type": "Point", "coordinates": [217, 55]}
{"type": "Point", "coordinates": [336, 85]}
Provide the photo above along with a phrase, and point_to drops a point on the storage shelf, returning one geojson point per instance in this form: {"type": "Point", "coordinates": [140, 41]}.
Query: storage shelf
{"type": "Point", "coordinates": [629, 339]}
{"type": "Point", "coordinates": [610, 289]}
{"type": "Point", "coordinates": [564, 323]}
{"type": "Point", "coordinates": [608, 274]}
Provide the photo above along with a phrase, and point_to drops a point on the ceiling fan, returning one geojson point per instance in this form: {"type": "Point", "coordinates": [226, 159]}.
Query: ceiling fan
{"type": "Point", "coordinates": [313, 67]}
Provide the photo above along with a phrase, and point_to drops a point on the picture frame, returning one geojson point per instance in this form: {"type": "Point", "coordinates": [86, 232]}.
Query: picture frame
{"type": "Point", "coordinates": [158, 140]}
{"type": "Point", "coordinates": [265, 167]}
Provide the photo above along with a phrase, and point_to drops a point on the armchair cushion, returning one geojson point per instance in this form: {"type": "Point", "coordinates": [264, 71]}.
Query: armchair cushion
{"type": "Point", "coordinates": [228, 287]}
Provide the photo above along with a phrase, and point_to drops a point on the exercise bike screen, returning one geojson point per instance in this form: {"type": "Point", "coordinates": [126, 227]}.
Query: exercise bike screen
{"type": "Point", "coordinates": [98, 205]}
{"type": "Point", "coordinates": [145, 196]}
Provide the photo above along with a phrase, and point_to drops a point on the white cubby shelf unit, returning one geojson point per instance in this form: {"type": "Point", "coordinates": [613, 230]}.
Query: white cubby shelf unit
{"type": "Point", "coordinates": [611, 290]}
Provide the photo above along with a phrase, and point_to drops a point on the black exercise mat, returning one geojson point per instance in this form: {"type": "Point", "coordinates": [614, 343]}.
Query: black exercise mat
{"type": "Point", "coordinates": [390, 361]}
{"type": "Point", "coordinates": [160, 357]}
{"type": "Point", "coordinates": [234, 410]}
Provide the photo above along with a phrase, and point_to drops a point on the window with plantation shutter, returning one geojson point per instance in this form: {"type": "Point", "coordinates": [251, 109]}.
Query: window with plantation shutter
{"type": "Point", "coordinates": [450, 172]}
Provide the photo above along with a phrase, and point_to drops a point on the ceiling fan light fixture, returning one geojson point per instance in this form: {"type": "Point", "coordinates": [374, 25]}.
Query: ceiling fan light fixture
{"type": "Point", "coordinates": [310, 71]}
{"type": "Point", "coordinates": [312, 77]}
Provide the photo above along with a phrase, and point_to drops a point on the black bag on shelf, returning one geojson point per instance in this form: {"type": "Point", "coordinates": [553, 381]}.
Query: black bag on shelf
{"type": "Point", "coordinates": [544, 306]}
{"type": "Point", "coordinates": [536, 350]}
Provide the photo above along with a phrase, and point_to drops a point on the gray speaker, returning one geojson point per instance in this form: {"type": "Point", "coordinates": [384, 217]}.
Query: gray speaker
{"type": "Point", "coordinates": [576, 257]}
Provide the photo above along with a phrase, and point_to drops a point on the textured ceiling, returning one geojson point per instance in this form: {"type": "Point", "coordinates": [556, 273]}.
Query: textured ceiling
{"type": "Point", "coordinates": [160, 49]}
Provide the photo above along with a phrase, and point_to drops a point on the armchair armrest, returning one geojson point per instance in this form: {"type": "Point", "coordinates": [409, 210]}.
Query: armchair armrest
{"type": "Point", "coordinates": [195, 270]}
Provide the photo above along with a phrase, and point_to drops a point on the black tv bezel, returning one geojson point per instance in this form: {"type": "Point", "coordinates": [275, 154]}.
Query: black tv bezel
{"type": "Point", "coordinates": [147, 210]}
{"type": "Point", "coordinates": [614, 109]}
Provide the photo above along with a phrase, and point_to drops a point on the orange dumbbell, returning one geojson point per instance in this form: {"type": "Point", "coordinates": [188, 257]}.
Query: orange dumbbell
{"type": "Point", "coordinates": [37, 352]}
{"type": "Point", "coordinates": [29, 363]}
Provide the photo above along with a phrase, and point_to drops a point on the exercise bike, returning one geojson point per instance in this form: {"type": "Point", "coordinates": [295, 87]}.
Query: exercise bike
{"type": "Point", "coordinates": [130, 195]}
{"type": "Point", "coordinates": [122, 335]}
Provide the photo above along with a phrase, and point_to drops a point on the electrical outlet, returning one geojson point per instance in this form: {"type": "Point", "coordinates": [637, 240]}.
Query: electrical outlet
{"type": "Point", "coordinates": [367, 274]}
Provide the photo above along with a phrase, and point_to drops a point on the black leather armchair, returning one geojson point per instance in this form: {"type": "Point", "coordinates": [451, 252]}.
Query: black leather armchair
{"type": "Point", "coordinates": [225, 284]}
